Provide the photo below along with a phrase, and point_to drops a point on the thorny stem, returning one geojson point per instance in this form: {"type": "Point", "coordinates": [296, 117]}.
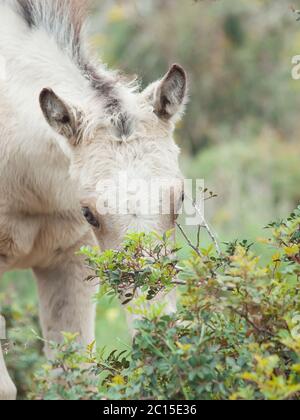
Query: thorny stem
{"type": "Point", "coordinates": [196, 249]}
{"type": "Point", "coordinates": [198, 236]}
{"type": "Point", "coordinates": [204, 225]}
{"type": "Point", "coordinates": [207, 227]}
{"type": "Point", "coordinates": [247, 319]}
{"type": "Point", "coordinates": [179, 283]}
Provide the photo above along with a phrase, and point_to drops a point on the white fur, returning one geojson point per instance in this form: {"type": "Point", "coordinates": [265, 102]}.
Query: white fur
{"type": "Point", "coordinates": [43, 179]}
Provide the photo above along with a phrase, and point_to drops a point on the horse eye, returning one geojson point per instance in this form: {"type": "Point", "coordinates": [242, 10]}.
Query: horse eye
{"type": "Point", "coordinates": [90, 218]}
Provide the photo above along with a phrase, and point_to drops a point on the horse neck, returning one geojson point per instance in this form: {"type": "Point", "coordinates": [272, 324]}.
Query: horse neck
{"type": "Point", "coordinates": [29, 147]}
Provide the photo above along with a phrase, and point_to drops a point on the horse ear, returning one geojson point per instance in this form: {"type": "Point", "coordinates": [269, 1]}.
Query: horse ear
{"type": "Point", "coordinates": [170, 95]}
{"type": "Point", "coordinates": [60, 116]}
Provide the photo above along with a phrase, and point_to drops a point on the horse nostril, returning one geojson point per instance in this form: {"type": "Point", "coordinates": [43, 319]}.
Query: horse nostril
{"type": "Point", "coordinates": [90, 218]}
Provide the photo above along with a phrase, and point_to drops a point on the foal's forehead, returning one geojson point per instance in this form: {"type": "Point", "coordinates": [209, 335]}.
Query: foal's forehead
{"type": "Point", "coordinates": [134, 115]}
{"type": "Point", "coordinates": [126, 127]}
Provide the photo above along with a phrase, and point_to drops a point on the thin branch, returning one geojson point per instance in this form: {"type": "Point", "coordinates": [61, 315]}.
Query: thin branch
{"type": "Point", "coordinates": [197, 250]}
{"type": "Point", "coordinates": [198, 236]}
{"type": "Point", "coordinates": [178, 283]}
{"type": "Point", "coordinates": [206, 226]}
{"type": "Point", "coordinates": [250, 322]}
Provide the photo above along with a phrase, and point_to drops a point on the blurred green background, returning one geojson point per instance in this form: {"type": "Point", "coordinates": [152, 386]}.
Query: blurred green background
{"type": "Point", "coordinates": [240, 132]}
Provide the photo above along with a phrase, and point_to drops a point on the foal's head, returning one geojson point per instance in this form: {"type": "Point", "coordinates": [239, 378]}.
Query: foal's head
{"type": "Point", "coordinates": [125, 161]}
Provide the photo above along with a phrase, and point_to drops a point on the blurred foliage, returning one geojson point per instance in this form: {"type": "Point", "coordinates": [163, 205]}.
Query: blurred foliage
{"type": "Point", "coordinates": [235, 334]}
{"type": "Point", "coordinates": [240, 134]}
{"type": "Point", "coordinates": [255, 182]}
{"type": "Point", "coordinates": [23, 348]}
{"type": "Point", "coordinates": [237, 54]}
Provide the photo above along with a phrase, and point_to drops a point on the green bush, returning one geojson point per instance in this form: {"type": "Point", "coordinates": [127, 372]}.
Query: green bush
{"type": "Point", "coordinates": [23, 348]}
{"type": "Point", "coordinates": [235, 335]}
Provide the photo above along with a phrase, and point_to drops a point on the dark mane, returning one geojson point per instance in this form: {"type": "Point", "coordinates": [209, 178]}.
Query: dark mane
{"type": "Point", "coordinates": [64, 21]}
{"type": "Point", "coordinates": [27, 13]}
